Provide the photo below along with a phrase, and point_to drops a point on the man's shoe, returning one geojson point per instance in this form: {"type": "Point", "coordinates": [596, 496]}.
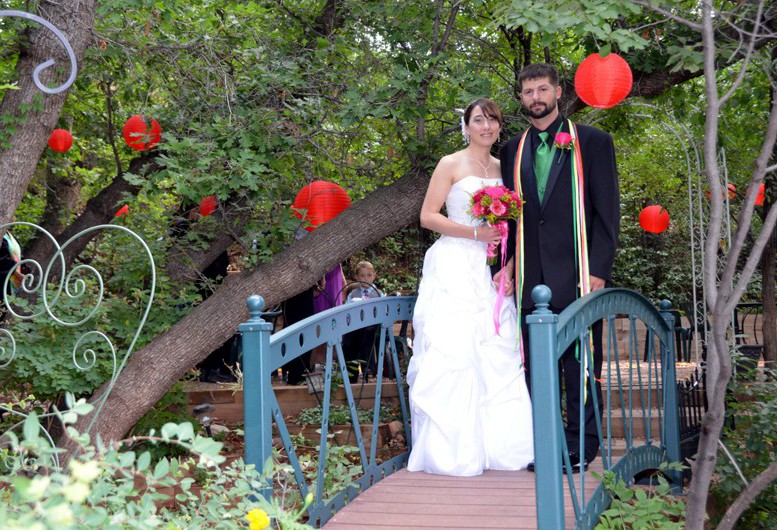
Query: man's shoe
{"type": "Point", "coordinates": [530, 466]}
{"type": "Point", "coordinates": [577, 465]}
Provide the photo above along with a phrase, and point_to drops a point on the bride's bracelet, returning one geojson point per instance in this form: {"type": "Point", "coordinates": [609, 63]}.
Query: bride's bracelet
{"type": "Point", "coordinates": [476, 232]}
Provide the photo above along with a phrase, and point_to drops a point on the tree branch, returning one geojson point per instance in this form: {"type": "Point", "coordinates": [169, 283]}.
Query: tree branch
{"type": "Point", "coordinates": [668, 14]}
{"type": "Point", "coordinates": [746, 60]}
{"type": "Point", "coordinates": [747, 496]}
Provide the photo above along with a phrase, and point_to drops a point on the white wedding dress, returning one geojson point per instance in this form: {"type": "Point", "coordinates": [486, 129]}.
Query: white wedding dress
{"type": "Point", "coordinates": [469, 404]}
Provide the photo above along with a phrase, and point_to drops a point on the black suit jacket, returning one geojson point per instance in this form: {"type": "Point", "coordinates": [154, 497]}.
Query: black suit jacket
{"type": "Point", "coordinates": [549, 240]}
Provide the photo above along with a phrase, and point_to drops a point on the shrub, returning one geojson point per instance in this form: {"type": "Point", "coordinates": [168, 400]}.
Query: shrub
{"type": "Point", "coordinates": [639, 508]}
{"type": "Point", "coordinates": [105, 487]}
{"type": "Point", "coordinates": [750, 437]}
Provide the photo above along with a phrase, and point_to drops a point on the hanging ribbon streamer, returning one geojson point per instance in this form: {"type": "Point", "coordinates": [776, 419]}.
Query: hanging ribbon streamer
{"type": "Point", "coordinates": [519, 262]}
{"type": "Point", "coordinates": [581, 247]}
{"type": "Point", "coordinates": [500, 295]}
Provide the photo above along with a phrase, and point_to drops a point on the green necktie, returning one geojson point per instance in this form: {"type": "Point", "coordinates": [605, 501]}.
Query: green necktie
{"type": "Point", "coordinates": [542, 159]}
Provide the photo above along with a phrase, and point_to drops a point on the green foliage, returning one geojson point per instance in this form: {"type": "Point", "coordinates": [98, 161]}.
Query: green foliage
{"type": "Point", "coordinates": [638, 508]}
{"type": "Point", "coordinates": [751, 438]}
{"type": "Point", "coordinates": [599, 18]}
{"type": "Point", "coordinates": [172, 408]}
{"type": "Point", "coordinates": [340, 415]}
{"type": "Point", "coordinates": [106, 487]}
{"type": "Point", "coordinates": [339, 471]}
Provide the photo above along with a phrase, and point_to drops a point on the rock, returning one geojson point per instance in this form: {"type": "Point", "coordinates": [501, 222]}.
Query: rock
{"type": "Point", "coordinates": [218, 429]}
{"type": "Point", "coordinates": [396, 427]}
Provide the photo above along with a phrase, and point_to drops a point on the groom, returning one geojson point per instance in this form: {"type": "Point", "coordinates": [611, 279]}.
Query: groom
{"type": "Point", "coordinates": [549, 243]}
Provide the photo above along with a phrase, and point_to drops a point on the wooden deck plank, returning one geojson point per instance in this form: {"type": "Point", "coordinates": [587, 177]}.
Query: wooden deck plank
{"type": "Point", "coordinates": [414, 500]}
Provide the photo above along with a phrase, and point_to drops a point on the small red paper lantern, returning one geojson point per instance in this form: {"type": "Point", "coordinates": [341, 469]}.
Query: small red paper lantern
{"type": "Point", "coordinates": [654, 219]}
{"type": "Point", "coordinates": [208, 205]}
{"type": "Point", "coordinates": [732, 193]}
{"type": "Point", "coordinates": [60, 140]}
{"type": "Point", "coordinates": [603, 82]}
{"type": "Point", "coordinates": [142, 133]}
{"type": "Point", "coordinates": [321, 201]}
{"type": "Point", "coordinates": [759, 199]}
{"type": "Point", "coordinates": [124, 210]}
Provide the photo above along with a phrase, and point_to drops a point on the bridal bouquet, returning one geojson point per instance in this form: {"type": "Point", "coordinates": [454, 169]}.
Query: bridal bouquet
{"type": "Point", "coordinates": [496, 205]}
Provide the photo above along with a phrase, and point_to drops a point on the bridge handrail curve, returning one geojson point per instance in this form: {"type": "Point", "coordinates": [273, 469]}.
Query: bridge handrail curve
{"type": "Point", "coordinates": [584, 312]}
{"type": "Point", "coordinates": [263, 354]}
{"type": "Point", "coordinates": [550, 336]}
{"type": "Point", "coordinates": [342, 319]}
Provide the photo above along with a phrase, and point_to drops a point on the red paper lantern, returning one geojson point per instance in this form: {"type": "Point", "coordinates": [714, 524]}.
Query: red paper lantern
{"type": "Point", "coordinates": [141, 132]}
{"type": "Point", "coordinates": [759, 199]}
{"type": "Point", "coordinates": [654, 219]}
{"type": "Point", "coordinates": [603, 82]}
{"type": "Point", "coordinates": [60, 140]}
{"type": "Point", "coordinates": [321, 201]}
{"type": "Point", "coordinates": [732, 193]}
{"type": "Point", "coordinates": [208, 205]}
{"type": "Point", "coordinates": [124, 210]}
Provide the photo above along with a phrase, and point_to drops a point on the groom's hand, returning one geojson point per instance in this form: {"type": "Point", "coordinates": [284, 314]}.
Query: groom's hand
{"type": "Point", "coordinates": [595, 282]}
{"type": "Point", "coordinates": [507, 272]}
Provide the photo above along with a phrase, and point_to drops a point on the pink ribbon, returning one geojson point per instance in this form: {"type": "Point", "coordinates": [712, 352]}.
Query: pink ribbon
{"type": "Point", "coordinates": [491, 252]}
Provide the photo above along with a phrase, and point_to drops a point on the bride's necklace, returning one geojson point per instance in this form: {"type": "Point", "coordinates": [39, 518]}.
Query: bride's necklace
{"type": "Point", "coordinates": [485, 167]}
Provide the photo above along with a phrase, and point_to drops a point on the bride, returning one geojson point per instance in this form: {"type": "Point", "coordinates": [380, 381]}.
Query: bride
{"type": "Point", "coordinates": [469, 403]}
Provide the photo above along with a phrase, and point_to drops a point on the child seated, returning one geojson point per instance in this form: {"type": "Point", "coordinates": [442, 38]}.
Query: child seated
{"type": "Point", "coordinates": [365, 277]}
{"type": "Point", "coordinates": [359, 345]}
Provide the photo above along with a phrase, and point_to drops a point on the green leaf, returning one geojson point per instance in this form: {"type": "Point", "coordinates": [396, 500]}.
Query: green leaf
{"type": "Point", "coordinates": [169, 430]}
{"type": "Point", "coordinates": [185, 431]}
{"type": "Point", "coordinates": [161, 468]}
{"type": "Point", "coordinates": [605, 50]}
{"type": "Point", "coordinates": [31, 427]}
{"type": "Point", "coordinates": [127, 459]}
{"type": "Point", "coordinates": [143, 461]}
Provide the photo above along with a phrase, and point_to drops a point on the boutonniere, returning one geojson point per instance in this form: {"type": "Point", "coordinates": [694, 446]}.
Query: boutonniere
{"type": "Point", "coordinates": [563, 140]}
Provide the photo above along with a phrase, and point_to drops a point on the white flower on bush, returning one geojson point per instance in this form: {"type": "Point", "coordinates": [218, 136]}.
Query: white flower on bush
{"type": "Point", "coordinates": [36, 488]}
{"type": "Point", "coordinates": [76, 492]}
{"type": "Point", "coordinates": [84, 472]}
{"type": "Point", "coordinates": [59, 515]}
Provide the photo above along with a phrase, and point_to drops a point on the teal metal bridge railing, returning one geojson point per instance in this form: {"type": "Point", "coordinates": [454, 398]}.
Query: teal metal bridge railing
{"type": "Point", "coordinates": [264, 354]}
{"type": "Point", "coordinates": [640, 390]}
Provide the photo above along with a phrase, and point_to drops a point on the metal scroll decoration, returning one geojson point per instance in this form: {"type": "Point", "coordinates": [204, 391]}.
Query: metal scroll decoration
{"type": "Point", "coordinates": [47, 64]}
{"type": "Point", "coordinates": [69, 299]}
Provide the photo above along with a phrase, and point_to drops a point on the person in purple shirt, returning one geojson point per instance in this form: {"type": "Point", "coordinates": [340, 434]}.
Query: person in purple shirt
{"type": "Point", "coordinates": [326, 295]}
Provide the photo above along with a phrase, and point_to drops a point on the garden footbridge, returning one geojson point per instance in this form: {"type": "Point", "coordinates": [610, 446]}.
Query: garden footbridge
{"type": "Point", "coordinates": [640, 407]}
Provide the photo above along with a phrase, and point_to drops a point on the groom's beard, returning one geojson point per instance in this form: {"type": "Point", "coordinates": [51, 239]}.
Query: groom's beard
{"type": "Point", "coordinates": [540, 110]}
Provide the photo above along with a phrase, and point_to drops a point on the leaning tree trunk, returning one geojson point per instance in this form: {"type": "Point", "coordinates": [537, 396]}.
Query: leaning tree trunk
{"type": "Point", "coordinates": [34, 114]}
{"type": "Point", "coordinates": [152, 370]}
{"type": "Point", "coordinates": [62, 192]}
{"type": "Point", "coordinates": [100, 209]}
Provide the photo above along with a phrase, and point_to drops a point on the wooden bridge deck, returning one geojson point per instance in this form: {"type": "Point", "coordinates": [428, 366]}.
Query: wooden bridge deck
{"type": "Point", "coordinates": [496, 499]}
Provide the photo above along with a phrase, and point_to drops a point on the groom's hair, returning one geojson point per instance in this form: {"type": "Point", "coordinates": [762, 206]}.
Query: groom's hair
{"type": "Point", "coordinates": [537, 71]}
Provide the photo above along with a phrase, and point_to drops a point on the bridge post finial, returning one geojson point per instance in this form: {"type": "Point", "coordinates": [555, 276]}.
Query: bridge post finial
{"type": "Point", "coordinates": [255, 305]}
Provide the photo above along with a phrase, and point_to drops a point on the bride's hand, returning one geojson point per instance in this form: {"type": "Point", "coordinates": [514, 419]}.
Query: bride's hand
{"type": "Point", "coordinates": [489, 234]}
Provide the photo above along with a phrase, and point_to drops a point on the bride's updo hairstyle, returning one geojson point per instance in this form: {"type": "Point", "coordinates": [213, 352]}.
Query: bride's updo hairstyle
{"type": "Point", "coordinates": [489, 108]}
